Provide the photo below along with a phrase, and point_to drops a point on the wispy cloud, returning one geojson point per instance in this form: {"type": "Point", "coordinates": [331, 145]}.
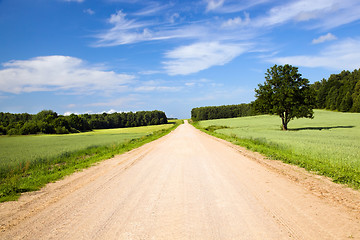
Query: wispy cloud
{"type": "Point", "coordinates": [322, 14]}
{"type": "Point", "coordinates": [237, 21]}
{"type": "Point", "coordinates": [156, 86]}
{"type": "Point", "coordinates": [199, 56]}
{"type": "Point", "coordinates": [213, 4]}
{"type": "Point", "coordinates": [59, 73]}
{"type": "Point", "coordinates": [232, 6]}
{"type": "Point", "coordinates": [150, 72]}
{"type": "Point", "coordinates": [121, 103]}
{"type": "Point", "coordinates": [324, 38]}
{"type": "Point", "coordinates": [128, 31]}
{"type": "Point", "coordinates": [122, 31]}
{"type": "Point", "coordinates": [79, 1]}
{"type": "Point", "coordinates": [344, 54]}
{"type": "Point", "coordinates": [152, 9]}
{"type": "Point", "coordinates": [89, 11]}
{"type": "Point", "coordinates": [327, 14]}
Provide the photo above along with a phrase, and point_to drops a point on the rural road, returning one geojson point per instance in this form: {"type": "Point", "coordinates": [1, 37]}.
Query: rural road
{"type": "Point", "coordinates": [186, 185]}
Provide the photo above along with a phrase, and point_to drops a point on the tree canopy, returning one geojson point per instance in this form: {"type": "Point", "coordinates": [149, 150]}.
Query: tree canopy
{"type": "Point", "coordinates": [286, 94]}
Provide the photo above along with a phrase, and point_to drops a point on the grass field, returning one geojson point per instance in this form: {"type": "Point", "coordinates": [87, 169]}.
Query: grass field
{"type": "Point", "coordinates": [328, 144]}
{"type": "Point", "coordinates": [19, 149]}
{"type": "Point", "coordinates": [29, 162]}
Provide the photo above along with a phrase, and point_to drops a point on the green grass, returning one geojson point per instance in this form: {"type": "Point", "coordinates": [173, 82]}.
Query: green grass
{"type": "Point", "coordinates": [18, 149]}
{"type": "Point", "coordinates": [329, 144]}
{"type": "Point", "coordinates": [29, 162]}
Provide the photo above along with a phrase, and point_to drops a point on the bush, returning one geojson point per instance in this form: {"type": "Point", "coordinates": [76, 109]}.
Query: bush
{"type": "Point", "coordinates": [61, 130]}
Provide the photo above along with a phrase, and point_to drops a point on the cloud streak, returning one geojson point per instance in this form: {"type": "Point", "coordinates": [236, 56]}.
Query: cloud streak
{"type": "Point", "coordinates": [79, 1]}
{"type": "Point", "coordinates": [324, 14]}
{"type": "Point", "coordinates": [199, 56]}
{"type": "Point", "coordinates": [342, 55]}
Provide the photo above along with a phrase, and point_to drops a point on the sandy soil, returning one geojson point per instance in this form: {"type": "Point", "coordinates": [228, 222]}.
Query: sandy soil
{"type": "Point", "coordinates": [186, 185]}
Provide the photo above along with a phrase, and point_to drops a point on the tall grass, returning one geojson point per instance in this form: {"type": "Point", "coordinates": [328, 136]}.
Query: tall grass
{"type": "Point", "coordinates": [329, 144]}
{"type": "Point", "coordinates": [29, 162]}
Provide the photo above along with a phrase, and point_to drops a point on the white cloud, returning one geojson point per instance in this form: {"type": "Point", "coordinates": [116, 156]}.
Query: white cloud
{"type": "Point", "coordinates": [237, 21]}
{"type": "Point", "coordinates": [326, 13]}
{"type": "Point", "coordinates": [232, 6]}
{"type": "Point", "coordinates": [59, 73]}
{"type": "Point", "coordinates": [153, 8]}
{"type": "Point", "coordinates": [302, 10]}
{"type": "Point", "coordinates": [324, 38]}
{"type": "Point", "coordinates": [157, 89]}
{"type": "Point", "coordinates": [89, 11]}
{"type": "Point", "coordinates": [344, 55]}
{"type": "Point", "coordinates": [124, 31]}
{"type": "Point", "coordinates": [127, 31]}
{"type": "Point", "coordinates": [150, 72]}
{"type": "Point", "coordinates": [120, 103]}
{"type": "Point", "coordinates": [199, 56]}
{"type": "Point", "coordinates": [156, 86]}
{"type": "Point", "coordinates": [110, 111]}
{"type": "Point", "coordinates": [79, 1]}
{"type": "Point", "coordinates": [214, 4]}
{"type": "Point", "coordinates": [174, 17]}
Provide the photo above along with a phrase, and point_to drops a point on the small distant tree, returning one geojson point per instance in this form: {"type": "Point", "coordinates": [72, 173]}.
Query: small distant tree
{"type": "Point", "coordinates": [286, 94]}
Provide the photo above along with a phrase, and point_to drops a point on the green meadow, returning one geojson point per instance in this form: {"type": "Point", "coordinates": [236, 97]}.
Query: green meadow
{"type": "Point", "coordinates": [329, 144]}
{"type": "Point", "coordinates": [19, 149]}
{"type": "Point", "coordinates": [29, 162]}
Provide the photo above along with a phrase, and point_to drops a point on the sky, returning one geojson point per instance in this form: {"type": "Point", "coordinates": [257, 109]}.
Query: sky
{"type": "Point", "coordinates": [93, 56]}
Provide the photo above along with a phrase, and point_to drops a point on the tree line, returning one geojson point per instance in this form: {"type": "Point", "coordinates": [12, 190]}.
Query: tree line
{"type": "Point", "coordinates": [49, 122]}
{"type": "Point", "coordinates": [340, 92]}
{"type": "Point", "coordinates": [225, 111]}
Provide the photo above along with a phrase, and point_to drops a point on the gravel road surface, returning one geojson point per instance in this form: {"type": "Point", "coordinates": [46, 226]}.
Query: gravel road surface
{"type": "Point", "coordinates": [186, 185]}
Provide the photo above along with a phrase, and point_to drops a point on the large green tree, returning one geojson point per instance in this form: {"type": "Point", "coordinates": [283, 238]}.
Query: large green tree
{"type": "Point", "coordinates": [286, 94]}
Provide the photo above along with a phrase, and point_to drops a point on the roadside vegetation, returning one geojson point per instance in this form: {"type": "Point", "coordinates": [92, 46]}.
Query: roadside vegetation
{"type": "Point", "coordinates": [329, 144]}
{"type": "Point", "coordinates": [29, 162]}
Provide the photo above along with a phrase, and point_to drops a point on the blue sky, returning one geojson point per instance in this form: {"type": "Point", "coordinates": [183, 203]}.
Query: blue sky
{"type": "Point", "coordinates": [87, 56]}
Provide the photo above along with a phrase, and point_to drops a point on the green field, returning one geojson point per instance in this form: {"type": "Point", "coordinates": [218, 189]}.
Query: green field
{"type": "Point", "coordinates": [29, 162]}
{"type": "Point", "coordinates": [19, 149]}
{"type": "Point", "coordinates": [328, 144]}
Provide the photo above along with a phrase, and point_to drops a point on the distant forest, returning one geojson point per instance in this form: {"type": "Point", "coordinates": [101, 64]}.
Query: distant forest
{"type": "Point", "coordinates": [226, 111]}
{"type": "Point", "coordinates": [49, 122]}
{"type": "Point", "coordinates": [340, 92]}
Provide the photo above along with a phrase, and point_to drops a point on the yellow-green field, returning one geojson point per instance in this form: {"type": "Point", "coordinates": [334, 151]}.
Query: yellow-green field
{"type": "Point", "coordinates": [328, 144]}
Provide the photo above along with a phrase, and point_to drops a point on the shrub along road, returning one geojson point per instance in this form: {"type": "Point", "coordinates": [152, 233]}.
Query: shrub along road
{"type": "Point", "coordinates": [186, 185]}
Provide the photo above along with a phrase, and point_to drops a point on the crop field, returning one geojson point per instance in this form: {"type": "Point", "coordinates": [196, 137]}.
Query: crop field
{"type": "Point", "coordinates": [29, 162]}
{"type": "Point", "coordinates": [328, 144]}
{"type": "Point", "coordinates": [19, 149]}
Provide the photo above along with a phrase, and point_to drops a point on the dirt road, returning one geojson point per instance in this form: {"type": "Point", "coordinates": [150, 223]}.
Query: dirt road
{"type": "Point", "coordinates": [186, 185]}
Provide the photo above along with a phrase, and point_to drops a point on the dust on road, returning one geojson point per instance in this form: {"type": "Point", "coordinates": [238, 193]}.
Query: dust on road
{"type": "Point", "coordinates": [186, 185]}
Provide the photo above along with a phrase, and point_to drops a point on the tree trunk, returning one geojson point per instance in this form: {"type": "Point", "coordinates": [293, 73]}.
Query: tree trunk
{"type": "Point", "coordinates": [284, 121]}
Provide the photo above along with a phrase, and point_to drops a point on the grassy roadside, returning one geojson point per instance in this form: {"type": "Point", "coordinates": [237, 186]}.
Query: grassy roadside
{"type": "Point", "coordinates": [327, 145]}
{"type": "Point", "coordinates": [32, 175]}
